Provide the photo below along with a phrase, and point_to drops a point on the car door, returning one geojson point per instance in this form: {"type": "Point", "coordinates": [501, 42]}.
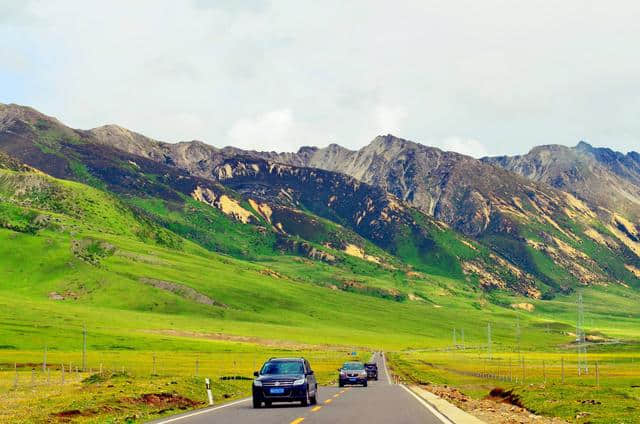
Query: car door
{"type": "Point", "coordinates": [311, 378]}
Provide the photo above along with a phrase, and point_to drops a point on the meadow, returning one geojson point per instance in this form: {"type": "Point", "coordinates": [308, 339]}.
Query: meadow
{"type": "Point", "coordinates": [162, 312]}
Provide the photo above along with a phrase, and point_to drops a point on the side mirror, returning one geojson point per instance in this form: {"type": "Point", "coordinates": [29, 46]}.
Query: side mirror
{"type": "Point", "coordinates": [256, 374]}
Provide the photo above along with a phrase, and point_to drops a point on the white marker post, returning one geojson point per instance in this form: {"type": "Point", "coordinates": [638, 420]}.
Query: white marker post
{"type": "Point", "coordinates": [207, 382]}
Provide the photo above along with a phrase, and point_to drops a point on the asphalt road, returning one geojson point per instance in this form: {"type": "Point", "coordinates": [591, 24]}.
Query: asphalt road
{"type": "Point", "coordinates": [380, 402]}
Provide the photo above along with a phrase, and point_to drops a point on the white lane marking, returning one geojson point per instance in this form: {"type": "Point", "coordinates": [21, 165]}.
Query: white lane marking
{"type": "Point", "coordinates": [386, 371]}
{"type": "Point", "coordinates": [431, 409]}
{"type": "Point", "coordinates": [205, 411]}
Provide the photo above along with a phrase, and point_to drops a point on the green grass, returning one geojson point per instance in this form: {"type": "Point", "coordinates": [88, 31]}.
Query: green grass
{"type": "Point", "coordinates": [74, 257]}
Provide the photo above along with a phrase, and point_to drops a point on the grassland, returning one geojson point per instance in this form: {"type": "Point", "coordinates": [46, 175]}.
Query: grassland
{"type": "Point", "coordinates": [75, 257]}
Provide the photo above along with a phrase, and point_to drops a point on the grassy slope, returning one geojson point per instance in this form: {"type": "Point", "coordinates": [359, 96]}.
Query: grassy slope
{"type": "Point", "coordinates": [274, 302]}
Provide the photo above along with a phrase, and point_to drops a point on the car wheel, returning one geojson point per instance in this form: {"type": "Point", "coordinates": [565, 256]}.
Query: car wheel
{"type": "Point", "coordinates": [364, 384]}
{"type": "Point", "coordinates": [267, 404]}
{"type": "Point", "coordinates": [314, 398]}
{"type": "Point", "coordinates": [257, 403]}
{"type": "Point", "coordinates": [340, 384]}
{"type": "Point", "coordinates": [305, 401]}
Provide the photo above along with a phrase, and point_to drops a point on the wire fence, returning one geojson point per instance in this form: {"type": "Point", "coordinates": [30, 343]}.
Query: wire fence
{"type": "Point", "coordinates": [562, 368]}
{"type": "Point", "coordinates": [22, 370]}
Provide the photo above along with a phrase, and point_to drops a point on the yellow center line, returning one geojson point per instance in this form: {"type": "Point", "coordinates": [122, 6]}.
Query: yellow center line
{"type": "Point", "coordinates": [297, 421]}
{"type": "Point", "coordinates": [342, 391]}
{"type": "Point", "coordinates": [328, 401]}
{"type": "Point", "coordinates": [316, 409]}
{"type": "Point", "coordinates": [336, 395]}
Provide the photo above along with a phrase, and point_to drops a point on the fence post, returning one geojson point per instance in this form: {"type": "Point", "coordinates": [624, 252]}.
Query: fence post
{"type": "Point", "coordinates": [33, 377]}
{"type": "Point", "coordinates": [523, 375]}
{"type": "Point", "coordinates": [510, 371]}
{"type": "Point", "coordinates": [544, 372]}
{"type": "Point", "coordinates": [207, 382]}
{"type": "Point", "coordinates": [100, 369]}
{"type": "Point", "coordinates": [562, 369]}
{"type": "Point", "coordinates": [62, 374]}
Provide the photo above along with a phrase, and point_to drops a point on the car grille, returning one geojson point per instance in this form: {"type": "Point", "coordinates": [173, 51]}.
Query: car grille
{"type": "Point", "coordinates": [280, 383]}
{"type": "Point", "coordinates": [352, 374]}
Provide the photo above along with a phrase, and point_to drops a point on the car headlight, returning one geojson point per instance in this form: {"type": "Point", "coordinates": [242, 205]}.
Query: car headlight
{"type": "Point", "coordinates": [299, 382]}
{"type": "Point", "coordinates": [257, 383]}
{"type": "Point", "coordinates": [363, 374]}
{"type": "Point", "coordinates": [343, 374]}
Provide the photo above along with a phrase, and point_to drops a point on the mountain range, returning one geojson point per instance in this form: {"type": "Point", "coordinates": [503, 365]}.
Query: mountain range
{"type": "Point", "coordinates": [537, 225]}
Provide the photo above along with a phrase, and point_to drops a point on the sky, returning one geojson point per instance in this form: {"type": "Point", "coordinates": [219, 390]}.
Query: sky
{"type": "Point", "coordinates": [482, 78]}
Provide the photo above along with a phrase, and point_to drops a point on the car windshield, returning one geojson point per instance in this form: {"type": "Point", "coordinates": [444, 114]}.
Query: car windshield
{"type": "Point", "coordinates": [282, 367]}
{"type": "Point", "coordinates": [353, 366]}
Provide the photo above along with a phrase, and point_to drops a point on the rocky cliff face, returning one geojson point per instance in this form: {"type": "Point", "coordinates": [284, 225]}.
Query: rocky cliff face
{"type": "Point", "coordinates": [608, 181]}
{"type": "Point", "coordinates": [400, 195]}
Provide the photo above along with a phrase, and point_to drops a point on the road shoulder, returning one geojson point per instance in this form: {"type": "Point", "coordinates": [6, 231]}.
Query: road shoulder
{"type": "Point", "coordinates": [451, 412]}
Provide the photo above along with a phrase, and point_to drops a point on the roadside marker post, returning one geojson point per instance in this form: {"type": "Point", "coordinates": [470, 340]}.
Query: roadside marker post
{"type": "Point", "coordinates": [207, 382]}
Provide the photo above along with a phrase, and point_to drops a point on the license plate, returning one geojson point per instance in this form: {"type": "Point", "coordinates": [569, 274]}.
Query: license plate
{"type": "Point", "coordinates": [352, 379]}
{"type": "Point", "coordinates": [277, 391]}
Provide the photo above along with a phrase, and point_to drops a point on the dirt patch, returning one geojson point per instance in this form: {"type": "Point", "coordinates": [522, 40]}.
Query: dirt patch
{"type": "Point", "coordinates": [224, 203]}
{"type": "Point", "coordinates": [56, 296]}
{"type": "Point", "coordinates": [68, 414]}
{"type": "Point", "coordinates": [358, 252]}
{"type": "Point", "coordinates": [271, 273]}
{"type": "Point", "coordinates": [231, 337]}
{"type": "Point", "coordinates": [163, 400]}
{"type": "Point", "coordinates": [183, 291]}
{"type": "Point", "coordinates": [505, 396]}
{"type": "Point", "coordinates": [524, 306]}
{"type": "Point", "coordinates": [91, 250]}
{"type": "Point", "coordinates": [503, 407]}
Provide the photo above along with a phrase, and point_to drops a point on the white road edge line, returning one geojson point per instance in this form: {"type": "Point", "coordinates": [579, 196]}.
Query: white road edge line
{"type": "Point", "coordinates": [204, 411]}
{"type": "Point", "coordinates": [431, 409]}
{"type": "Point", "coordinates": [386, 371]}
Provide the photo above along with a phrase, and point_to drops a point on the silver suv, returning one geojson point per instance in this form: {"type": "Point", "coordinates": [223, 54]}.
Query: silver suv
{"type": "Point", "coordinates": [352, 373]}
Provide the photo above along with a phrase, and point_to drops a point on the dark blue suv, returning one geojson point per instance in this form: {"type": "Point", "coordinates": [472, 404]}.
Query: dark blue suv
{"type": "Point", "coordinates": [285, 380]}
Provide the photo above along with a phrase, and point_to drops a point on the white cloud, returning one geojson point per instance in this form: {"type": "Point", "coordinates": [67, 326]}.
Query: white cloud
{"type": "Point", "coordinates": [466, 146]}
{"type": "Point", "coordinates": [388, 119]}
{"type": "Point", "coordinates": [264, 131]}
{"type": "Point", "coordinates": [512, 74]}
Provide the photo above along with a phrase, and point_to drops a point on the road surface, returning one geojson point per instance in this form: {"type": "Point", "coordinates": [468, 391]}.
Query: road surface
{"type": "Point", "coordinates": [380, 402]}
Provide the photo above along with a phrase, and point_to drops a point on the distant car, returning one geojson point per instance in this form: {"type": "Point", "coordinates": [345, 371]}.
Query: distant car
{"type": "Point", "coordinates": [372, 370]}
{"type": "Point", "coordinates": [285, 380]}
{"type": "Point", "coordinates": [352, 373]}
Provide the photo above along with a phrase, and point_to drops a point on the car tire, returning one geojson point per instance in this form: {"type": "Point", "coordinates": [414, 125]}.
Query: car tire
{"type": "Point", "coordinates": [340, 384]}
{"type": "Point", "coordinates": [257, 403]}
{"type": "Point", "coordinates": [364, 384]}
{"type": "Point", "coordinates": [267, 404]}
{"type": "Point", "coordinates": [314, 398]}
{"type": "Point", "coordinates": [306, 400]}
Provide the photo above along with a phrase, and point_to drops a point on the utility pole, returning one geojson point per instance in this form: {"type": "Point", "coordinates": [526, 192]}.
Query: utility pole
{"type": "Point", "coordinates": [84, 348]}
{"type": "Point", "coordinates": [518, 335]}
{"type": "Point", "coordinates": [489, 340]}
{"type": "Point", "coordinates": [580, 338]}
